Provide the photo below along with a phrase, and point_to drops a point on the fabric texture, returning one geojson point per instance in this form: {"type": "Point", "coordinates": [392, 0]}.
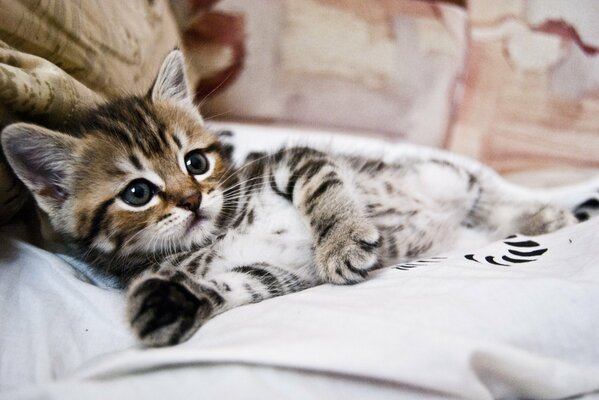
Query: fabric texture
{"type": "Point", "coordinates": [57, 57]}
{"type": "Point", "coordinates": [457, 325]}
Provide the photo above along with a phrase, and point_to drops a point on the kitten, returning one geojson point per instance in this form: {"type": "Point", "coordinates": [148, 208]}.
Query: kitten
{"type": "Point", "coordinates": [143, 193]}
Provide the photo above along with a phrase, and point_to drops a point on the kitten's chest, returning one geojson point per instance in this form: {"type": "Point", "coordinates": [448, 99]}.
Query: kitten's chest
{"type": "Point", "coordinates": [268, 229]}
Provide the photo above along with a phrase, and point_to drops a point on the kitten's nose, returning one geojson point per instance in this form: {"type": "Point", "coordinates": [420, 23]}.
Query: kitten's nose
{"type": "Point", "coordinates": [191, 203]}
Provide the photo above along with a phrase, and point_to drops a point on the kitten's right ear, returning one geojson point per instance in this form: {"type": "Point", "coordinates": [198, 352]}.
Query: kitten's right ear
{"type": "Point", "coordinates": [171, 82]}
{"type": "Point", "coordinates": [42, 159]}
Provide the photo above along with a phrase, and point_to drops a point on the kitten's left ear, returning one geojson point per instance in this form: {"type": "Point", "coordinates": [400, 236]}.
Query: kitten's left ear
{"type": "Point", "coordinates": [42, 159]}
{"type": "Point", "coordinates": [171, 83]}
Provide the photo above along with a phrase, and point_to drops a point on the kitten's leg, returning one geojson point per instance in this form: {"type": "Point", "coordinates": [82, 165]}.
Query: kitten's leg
{"type": "Point", "coordinates": [526, 217]}
{"type": "Point", "coordinates": [168, 306]}
{"type": "Point", "coordinates": [582, 199]}
{"type": "Point", "coordinates": [419, 204]}
{"type": "Point", "coordinates": [346, 242]}
{"type": "Point", "coordinates": [491, 203]}
{"type": "Point", "coordinates": [506, 209]}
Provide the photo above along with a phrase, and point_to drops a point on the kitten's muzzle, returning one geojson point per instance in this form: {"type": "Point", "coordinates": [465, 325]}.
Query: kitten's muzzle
{"type": "Point", "coordinates": [191, 203]}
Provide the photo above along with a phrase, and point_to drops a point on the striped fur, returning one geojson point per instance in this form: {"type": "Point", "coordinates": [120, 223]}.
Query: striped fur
{"type": "Point", "coordinates": [279, 223]}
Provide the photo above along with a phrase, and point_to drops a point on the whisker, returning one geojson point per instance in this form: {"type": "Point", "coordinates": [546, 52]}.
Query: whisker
{"type": "Point", "coordinates": [201, 103]}
{"type": "Point", "coordinates": [238, 171]}
{"type": "Point", "coordinates": [218, 115]}
{"type": "Point", "coordinates": [240, 184]}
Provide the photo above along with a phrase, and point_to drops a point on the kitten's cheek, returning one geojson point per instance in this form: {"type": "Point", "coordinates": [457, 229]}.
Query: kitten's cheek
{"type": "Point", "coordinates": [212, 207]}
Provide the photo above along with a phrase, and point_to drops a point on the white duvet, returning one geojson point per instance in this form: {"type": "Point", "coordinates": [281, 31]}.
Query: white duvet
{"type": "Point", "coordinates": [458, 325]}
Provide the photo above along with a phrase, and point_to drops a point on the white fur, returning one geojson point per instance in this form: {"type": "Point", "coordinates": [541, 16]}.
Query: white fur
{"type": "Point", "coordinates": [260, 241]}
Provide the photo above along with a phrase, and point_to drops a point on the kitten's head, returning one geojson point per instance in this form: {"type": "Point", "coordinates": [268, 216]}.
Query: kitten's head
{"type": "Point", "coordinates": [143, 175]}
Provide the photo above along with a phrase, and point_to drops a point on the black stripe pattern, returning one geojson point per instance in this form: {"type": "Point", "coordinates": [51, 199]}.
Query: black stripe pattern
{"type": "Point", "coordinates": [518, 251]}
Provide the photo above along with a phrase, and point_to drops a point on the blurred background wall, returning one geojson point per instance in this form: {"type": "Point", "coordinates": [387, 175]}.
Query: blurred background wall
{"type": "Point", "coordinates": [514, 83]}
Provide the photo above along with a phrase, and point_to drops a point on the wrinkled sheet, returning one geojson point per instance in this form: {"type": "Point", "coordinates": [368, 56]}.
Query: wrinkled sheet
{"type": "Point", "coordinates": [458, 325]}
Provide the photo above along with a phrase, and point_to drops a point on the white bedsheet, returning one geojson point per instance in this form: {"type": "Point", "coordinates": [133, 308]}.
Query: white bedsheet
{"type": "Point", "coordinates": [439, 328]}
{"type": "Point", "coordinates": [448, 327]}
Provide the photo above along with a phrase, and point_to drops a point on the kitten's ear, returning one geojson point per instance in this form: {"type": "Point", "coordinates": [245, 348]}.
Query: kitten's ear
{"type": "Point", "coordinates": [42, 159]}
{"type": "Point", "coordinates": [171, 83]}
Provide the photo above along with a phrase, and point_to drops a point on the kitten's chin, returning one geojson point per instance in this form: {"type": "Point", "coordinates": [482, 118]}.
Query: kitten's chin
{"type": "Point", "coordinates": [196, 224]}
{"type": "Point", "coordinates": [198, 233]}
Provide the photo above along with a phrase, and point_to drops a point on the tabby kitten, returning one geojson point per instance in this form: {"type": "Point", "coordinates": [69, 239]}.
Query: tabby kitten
{"type": "Point", "coordinates": [145, 195]}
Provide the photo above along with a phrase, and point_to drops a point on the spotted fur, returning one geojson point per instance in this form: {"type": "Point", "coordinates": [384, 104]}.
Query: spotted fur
{"type": "Point", "coordinates": [277, 224]}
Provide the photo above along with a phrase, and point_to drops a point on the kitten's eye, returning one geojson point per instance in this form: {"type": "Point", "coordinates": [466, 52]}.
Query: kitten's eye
{"type": "Point", "coordinates": [138, 193]}
{"type": "Point", "coordinates": [196, 163]}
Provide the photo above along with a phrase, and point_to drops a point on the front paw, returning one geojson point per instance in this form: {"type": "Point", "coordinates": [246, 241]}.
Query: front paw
{"type": "Point", "coordinates": [349, 252]}
{"type": "Point", "coordinates": [164, 313]}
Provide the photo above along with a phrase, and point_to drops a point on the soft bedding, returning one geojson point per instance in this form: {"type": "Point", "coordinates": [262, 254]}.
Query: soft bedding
{"type": "Point", "coordinates": [514, 319]}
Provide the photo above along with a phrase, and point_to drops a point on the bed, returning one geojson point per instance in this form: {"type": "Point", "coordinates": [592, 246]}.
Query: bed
{"type": "Point", "coordinates": [457, 325]}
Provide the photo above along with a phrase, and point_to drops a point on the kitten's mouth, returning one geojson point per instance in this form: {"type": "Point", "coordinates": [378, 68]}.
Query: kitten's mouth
{"type": "Point", "coordinates": [196, 220]}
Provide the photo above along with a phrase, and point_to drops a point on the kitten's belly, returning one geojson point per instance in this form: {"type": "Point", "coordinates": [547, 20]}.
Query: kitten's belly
{"type": "Point", "coordinates": [277, 236]}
